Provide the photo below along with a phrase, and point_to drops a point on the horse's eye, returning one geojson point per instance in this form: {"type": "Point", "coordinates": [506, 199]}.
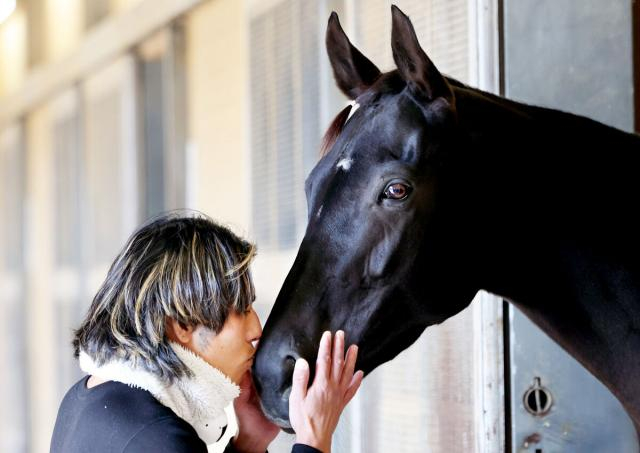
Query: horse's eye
{"type": "Point", "coordinates": [397, 191]}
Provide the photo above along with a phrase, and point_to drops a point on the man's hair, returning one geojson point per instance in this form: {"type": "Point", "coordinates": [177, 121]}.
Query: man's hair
{"type": "Point", "coordinates": [184, 266]}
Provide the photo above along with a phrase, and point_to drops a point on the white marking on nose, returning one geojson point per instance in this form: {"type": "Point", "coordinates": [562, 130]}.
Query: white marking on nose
{"type": "Point", "coordinates": [345, 164]}
{"type": "Point", "coordinates": [319, 211]}
{"type": "Point", "coordinates": [354, 107]}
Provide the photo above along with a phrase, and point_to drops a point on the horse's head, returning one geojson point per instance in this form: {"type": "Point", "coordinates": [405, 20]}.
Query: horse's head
{"type": "Point", "coordinates": [381, 257]}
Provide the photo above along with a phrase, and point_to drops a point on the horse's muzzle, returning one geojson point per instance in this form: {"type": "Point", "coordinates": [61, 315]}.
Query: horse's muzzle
{"type": "Point", "coordinates": [272, 374]}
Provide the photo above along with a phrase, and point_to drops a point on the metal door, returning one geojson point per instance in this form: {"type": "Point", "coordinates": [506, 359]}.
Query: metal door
{"type": "Point", "coordinates": [576, 56]}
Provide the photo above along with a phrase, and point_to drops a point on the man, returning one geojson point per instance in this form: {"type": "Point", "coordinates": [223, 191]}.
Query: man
{"type": "Point", "coordinates": [167, 341]}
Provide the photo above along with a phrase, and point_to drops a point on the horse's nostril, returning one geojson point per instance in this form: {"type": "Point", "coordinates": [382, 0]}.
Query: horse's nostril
{"type": "Point", "coordinates": [288, 366]}
{"type": "Point", "coordinates": [290, 361]}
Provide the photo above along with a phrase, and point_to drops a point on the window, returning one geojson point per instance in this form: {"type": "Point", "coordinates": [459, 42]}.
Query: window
{"type": "Point", "coordinates": [154, 140]}
{"type": "Point", "coordinates": [293, 98]}
{"type": "Point", "coordinates": [110, 166]}
{"type": "Point", "coordinates": [442, 27]}
{"type": "Point", "coordinates": [285, 128]}
{"type": "Point", "coordinates": [161, 82]}
{"type": "Point", "coordinates": [67, 292]}
{"type": "Point", "coordinates": [13, 385]}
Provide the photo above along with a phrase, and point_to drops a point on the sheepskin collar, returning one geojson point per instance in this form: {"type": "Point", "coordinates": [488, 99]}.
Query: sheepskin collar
{"type": "Point", "coordinates": [199, 400]}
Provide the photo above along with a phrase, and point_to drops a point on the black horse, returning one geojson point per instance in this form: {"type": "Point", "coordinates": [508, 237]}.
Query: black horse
{"type": "Point", "coordinates": [394, 245]}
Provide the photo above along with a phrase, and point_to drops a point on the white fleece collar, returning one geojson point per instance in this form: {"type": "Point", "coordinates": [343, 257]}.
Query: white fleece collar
{"type": "Point", "coordinates": [199, 400]}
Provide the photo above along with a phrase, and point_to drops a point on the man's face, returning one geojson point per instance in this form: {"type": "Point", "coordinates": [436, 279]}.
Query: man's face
{"type": "Point", "coordinates": [231, 350]}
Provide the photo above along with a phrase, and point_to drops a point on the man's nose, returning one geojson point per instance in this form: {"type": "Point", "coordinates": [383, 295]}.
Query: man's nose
{"type": "Point", "coordinates": [256, 329]}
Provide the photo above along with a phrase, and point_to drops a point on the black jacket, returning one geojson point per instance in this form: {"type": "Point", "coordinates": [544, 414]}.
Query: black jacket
{"type": "Point", "coordinates": [115, 418]}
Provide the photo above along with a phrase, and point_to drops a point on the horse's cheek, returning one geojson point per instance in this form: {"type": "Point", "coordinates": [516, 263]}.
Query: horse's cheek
{"type": "Point", "coordinates": [379, 258]}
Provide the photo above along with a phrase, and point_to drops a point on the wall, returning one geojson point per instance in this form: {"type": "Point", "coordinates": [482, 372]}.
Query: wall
{"type": "Point", "coordinates": [217, 102]}
{"type": "Point", "coordinates": [13, 52]}
{"type": "Point", "coordinates": [42, 406]}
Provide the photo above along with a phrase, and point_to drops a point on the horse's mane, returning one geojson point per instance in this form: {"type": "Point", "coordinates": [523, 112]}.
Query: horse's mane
{"type": "Point", "coordinates": [389, 83]}
{"type": "Point", "coordinates": [335, 128]}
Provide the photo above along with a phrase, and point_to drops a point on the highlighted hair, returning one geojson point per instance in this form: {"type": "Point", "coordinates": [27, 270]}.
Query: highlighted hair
{"type": "Point", "coordinates": [185, 267]}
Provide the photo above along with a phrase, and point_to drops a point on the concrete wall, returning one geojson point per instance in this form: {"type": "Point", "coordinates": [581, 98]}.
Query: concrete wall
{"type": "Point", "coordinates": [42, 407]}
{"type": "Point", "coordinates": [13, 52]}
{"type": "Point", "coordinates": [217, 103]}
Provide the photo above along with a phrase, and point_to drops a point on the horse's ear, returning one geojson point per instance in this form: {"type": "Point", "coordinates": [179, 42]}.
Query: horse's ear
{"type": "Point", "coordinates": [354, 73]}
{"type": "Point", "coordinates": [414, 66]}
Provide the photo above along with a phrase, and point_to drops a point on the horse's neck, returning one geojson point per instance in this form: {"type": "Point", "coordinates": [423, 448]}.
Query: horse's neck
{"type": "Point", "coordinates": [567, 253]}
{"type": "Point", "coordinates": [588, 307]}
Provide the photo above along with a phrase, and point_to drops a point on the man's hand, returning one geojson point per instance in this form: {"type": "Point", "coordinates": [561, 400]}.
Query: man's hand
{"type": "Point", "coordinates": [314, 412]}
{"type": "Point", "coordinates": [255, 431]}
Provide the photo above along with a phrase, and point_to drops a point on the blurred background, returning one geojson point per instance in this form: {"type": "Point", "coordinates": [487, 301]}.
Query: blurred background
{"type": "Point", "coordinates": [112, 111]}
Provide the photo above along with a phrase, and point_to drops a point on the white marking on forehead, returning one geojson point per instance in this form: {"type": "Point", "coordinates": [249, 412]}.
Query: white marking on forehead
{"type": "Point", "coordinates": [319, 211]}
{"type": "Point", "coordinates": [354, 106]}
{"type": "Point", "coordinates": [345, 164]}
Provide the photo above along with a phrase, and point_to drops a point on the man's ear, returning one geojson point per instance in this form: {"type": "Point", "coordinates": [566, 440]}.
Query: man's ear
{"type": "Point", "coordinates": [178, 332]}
